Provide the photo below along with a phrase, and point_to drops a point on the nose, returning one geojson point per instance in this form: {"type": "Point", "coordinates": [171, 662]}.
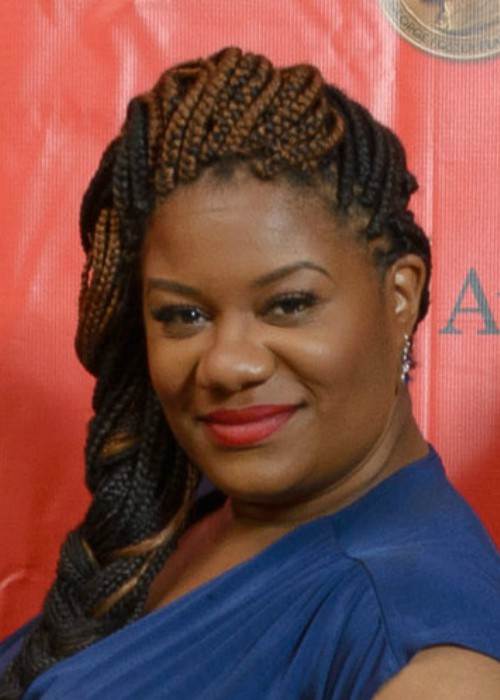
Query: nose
{"type": "Point", "coordinates": [236, 358]}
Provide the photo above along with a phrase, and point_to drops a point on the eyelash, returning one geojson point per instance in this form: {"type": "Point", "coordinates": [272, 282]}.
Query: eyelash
{"type": "Point", "coordinates": [168, 313]}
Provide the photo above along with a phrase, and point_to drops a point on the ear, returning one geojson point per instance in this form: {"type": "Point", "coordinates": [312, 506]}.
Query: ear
{"type": "Point", "coordinates": [404, 282]}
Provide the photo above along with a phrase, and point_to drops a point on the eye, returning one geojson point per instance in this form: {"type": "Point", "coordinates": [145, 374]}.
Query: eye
{"type": "Point", "coordinates": [181, 318]}
{"type": "Point", "coordinates": [177, 315]}
{"type": "Point", "coordinates": [292, 303]}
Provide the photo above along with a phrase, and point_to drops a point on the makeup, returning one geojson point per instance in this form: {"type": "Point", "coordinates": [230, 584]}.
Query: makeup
{"type": "Point", "coordinates": [237, 431]}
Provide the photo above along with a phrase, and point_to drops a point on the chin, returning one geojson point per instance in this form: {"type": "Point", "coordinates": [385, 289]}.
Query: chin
{"type": "Point", "coordinates": [276, 487]}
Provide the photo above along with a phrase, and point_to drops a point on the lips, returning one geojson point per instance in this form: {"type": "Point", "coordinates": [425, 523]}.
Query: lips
{"type": "Point", "coordinates": [247, 415]}
{"type": "Point", "coordinates": [247, 425]}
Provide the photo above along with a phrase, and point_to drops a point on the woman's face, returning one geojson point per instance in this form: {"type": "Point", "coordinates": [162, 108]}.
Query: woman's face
{"type": "Point", "coordinates": [285, 308]}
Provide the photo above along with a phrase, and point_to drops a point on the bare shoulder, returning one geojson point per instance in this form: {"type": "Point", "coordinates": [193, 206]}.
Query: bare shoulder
{"type": "Point", "coordinates": [445, 673]}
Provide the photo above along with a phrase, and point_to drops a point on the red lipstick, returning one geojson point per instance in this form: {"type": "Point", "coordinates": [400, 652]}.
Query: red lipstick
{"type": "Point", "coordinates": [245, 426]}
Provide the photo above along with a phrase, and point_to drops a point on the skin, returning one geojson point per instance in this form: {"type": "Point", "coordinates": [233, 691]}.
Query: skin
{"type": "Point", "coordinates": [237, 345]}
{"type": "Point", "coordinates": [445, 673]}
{"type": "Point", "coordinates": [339, 358]}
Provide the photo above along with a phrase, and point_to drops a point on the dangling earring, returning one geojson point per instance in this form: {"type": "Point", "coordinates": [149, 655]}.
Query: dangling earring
{"type": "Point", "coordinates": [405, 360]}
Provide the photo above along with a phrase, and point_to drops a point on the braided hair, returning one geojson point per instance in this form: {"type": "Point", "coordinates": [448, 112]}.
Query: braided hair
{"type": "Point", "coordinates": [233, 107]}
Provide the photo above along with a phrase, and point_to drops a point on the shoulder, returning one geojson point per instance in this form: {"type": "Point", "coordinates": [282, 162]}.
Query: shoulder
{"type": "Point", "coordinates": [433, 595]}
{"type": "Point", "coordinates": [433, 569]}
{"type": "Point", "coordinates": [445, 673]}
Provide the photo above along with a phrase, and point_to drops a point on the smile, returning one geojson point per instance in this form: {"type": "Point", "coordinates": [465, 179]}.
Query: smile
{"type": "Point", "coordinates": [248, 433]}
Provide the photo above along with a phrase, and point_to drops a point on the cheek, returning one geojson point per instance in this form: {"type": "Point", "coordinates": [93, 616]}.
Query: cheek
{"type": "Point", "coordinates": [167, 369]}
{"type": "Point", "coordinates": [351, 379]}
{"type": "Point", "coordinates": [340, 354]}
{"type": "Point", "coordinates": [349, 369]}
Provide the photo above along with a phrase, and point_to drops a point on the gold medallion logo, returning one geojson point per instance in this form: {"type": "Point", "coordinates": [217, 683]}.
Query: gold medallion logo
{"type": "Point", "coordinates": [460, 29]}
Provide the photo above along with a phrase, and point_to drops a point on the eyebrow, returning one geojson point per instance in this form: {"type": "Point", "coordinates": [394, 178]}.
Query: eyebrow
{"type": "Point", "coordinates": [262, 281]}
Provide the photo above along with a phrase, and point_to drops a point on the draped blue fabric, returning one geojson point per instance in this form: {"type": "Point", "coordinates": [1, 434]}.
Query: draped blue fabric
{"type": "Point", "coordinates": [331, 610]}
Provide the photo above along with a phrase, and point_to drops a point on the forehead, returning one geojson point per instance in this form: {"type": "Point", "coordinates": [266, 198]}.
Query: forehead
{"type": "Point", "coordinates": [249, 224]}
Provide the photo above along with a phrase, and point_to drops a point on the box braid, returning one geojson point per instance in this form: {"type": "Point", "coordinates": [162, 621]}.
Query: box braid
{"type": "Point", "coordinates": [231, 108]}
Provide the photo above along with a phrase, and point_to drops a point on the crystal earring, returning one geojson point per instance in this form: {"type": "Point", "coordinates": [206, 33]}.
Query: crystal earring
{"type": "Point", "coordinates": [405, 360]}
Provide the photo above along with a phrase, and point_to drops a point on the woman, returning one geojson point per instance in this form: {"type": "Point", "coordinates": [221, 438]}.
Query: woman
{"type": "Point", "coordinates": [253, 282]}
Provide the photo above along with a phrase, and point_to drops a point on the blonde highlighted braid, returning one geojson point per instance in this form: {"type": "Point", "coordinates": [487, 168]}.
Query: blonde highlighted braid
{"type": "Point", "coordinates": [231, 108]}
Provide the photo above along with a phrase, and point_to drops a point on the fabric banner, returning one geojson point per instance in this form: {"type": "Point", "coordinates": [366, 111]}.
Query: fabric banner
{"type": "Point", "coordinates": [427, 68]}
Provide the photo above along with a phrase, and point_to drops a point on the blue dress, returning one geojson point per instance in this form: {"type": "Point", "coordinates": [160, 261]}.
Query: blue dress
{"type": "Point", "coordinates": [330, 611]}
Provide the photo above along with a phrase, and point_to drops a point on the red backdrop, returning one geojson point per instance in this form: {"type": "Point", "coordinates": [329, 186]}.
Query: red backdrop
{"type": "Point", "coordinates": [68, 70]}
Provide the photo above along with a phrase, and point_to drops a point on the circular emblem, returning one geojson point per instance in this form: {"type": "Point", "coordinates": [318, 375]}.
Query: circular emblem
{"type": "Point", "coordinates": [461, 29]}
